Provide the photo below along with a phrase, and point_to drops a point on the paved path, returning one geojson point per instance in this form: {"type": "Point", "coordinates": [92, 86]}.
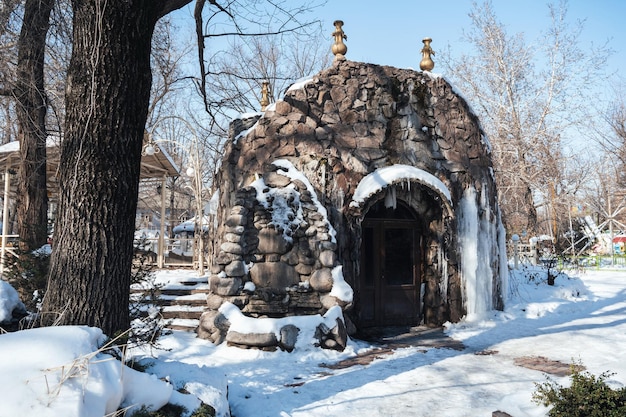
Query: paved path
{"type": "Point", "coordinates": [386, 340]}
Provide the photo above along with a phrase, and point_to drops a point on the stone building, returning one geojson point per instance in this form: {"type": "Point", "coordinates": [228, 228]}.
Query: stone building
{"type": "Point", "coordinates": [368, 189]}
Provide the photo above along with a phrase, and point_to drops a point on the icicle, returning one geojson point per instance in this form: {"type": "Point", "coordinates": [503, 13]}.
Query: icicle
{"type": "Point", "coordinates": [443, 267]}
{"type": "Point", "coordinates": [476, 239]}
{"type": "Point", "coordinates": [390, 198]}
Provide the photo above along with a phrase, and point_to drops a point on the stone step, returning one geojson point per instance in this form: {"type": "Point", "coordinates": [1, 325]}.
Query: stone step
{"type": "Point", "coordinates": [183, 302]}
{"type": "Point", "coordinates": [183, 291]}
{"type": "Point", "coordinates": [194, 281]}
{"type": "Point", "coordinates": [183, 312]}
{"type": "Point", "coordinates": [185, 325]}
{"type": "Point", "coordinates": [195, 315]}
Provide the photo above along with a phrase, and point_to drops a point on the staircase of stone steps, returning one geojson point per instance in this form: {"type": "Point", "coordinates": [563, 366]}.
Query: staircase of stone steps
{"type": "Point", "coordinates": [183, 303]}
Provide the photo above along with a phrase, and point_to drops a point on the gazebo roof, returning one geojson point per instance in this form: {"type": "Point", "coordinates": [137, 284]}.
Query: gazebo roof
{"type": "Point", "coordinates": [158, 165]}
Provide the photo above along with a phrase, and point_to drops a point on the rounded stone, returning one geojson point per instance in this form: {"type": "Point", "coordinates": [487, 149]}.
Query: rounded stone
{"type": "Point", "coordinates": [322, 280]}
{"type": "Point", "coordinates": [235, 220]}
{"type": "Point", "coordinates": [288, 337]}
{"type": "Point", "coordinates": [230, 247]}
{"type": "Point", "coordinates": [214, 301]}
{"type": "Point", "coordinates": [252, 339]}
{"type": "Point", "coordinates": [235, 269]}
{"type": "Point", "coordinates": [328, 258]}
{"type": "Point", "coordinates": [275, 275]}
{"type": "Point", "coordinates": [232, 237]}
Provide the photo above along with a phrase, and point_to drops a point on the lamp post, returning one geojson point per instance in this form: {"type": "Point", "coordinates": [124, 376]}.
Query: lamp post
{"type": "Point", "coordinates": [194, 171]}
{"type": "Point", "coordinates": [515, 239]}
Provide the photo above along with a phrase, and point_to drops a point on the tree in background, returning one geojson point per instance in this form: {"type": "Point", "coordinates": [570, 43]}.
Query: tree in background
{"type": "Point", "coordinates": [9, 33]}
{"type": "Point", "coordinates": [235, 75]}
{"type": "Point", "coordinates": [529, 98]}
{"type": "Point", "coordinates": [605, 197]}
{"type": "Point", "coordinates": [36, 52]}
{"type": "Point", "coordinates": [616, 143]}
{"type": "Point", "coordinates": [31, 109]}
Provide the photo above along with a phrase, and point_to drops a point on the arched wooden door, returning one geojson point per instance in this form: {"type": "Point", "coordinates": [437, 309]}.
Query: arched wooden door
{"type": "Point", "coordinates": [390, 267]}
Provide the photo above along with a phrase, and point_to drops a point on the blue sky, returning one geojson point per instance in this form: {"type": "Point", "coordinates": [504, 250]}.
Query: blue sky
{"type": "Point", "coordinates": [391, 32]}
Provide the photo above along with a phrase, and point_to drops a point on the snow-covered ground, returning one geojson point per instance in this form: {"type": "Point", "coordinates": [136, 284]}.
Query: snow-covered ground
{"type": "Point", "coordinates": [580, 319]}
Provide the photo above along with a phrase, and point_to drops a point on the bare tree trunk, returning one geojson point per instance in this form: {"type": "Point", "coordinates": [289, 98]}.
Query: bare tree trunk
{"type": "Point", "coordinates": [31, 115]}
{"type": "Point", "coordinates": [107, 100]}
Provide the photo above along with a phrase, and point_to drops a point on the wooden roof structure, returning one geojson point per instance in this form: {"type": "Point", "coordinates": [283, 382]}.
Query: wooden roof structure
{"type": "Point", "coordinates": [157, 165]}
{"type": "Point", "coordinates": [154, 165]}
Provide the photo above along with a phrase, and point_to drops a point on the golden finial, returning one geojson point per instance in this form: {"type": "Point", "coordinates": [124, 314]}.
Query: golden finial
{"type": "Point", "coordinates": [339, 48]}
{"type": "Point", "coordinates": [265, 101]}
{"type": "Point", "coordinates": [427, 64]}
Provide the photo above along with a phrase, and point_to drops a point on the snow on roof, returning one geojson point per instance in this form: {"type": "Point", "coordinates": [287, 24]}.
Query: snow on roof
{"type": "Point", "coordinates": [190, 225]}
{"type": "Point", "coordinates": [299, 84]}
{"type": "Point", "coordinates": [244, 133]}
{"type": "Point", "coordinates": [249, 115]}
{"type": "Point", "coordinates": [51, 142]}
{"type": "Point", "coordinates": [386, 176]}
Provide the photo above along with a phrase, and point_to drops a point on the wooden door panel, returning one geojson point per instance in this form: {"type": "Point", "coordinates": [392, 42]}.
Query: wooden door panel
{"type": "Point", "coordinates": [400, 307]}
{"type": "Point", "coordinates": [389, 275]}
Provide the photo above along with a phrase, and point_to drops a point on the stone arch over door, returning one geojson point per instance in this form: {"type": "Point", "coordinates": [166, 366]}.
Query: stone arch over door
{"type": "Point", "coordinates": [401, 257]}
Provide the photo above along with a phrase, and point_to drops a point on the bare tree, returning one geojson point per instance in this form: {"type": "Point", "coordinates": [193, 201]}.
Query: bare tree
{"type": "Point", "coordinates": [616, 143]}
{"type": "Point", "coordinates": [25, 81]}
{"type": "Point", "coordinates": [109, 79]}
{"type": "Point", "coordinates": [605, 198]}
{"type": "Point", "coordinates": [235, 75]}
{"type": "Point", "coordinates": [31, 116]}
{"type": "Point", "coordinates": [251, 50]}
{"type": "Point", "coordinates": [529, 98]}
{"type": "Point", "coordinates": [108, 94]}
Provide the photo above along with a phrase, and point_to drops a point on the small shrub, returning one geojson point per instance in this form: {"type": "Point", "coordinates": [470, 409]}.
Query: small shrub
{"type": "Point", "coordinates": [588, 396]}
{"type": "Point", "coordinates": [168, 410]}
{"type": "Point", "coordinates": [173, 410]}
{"type": "Point", "coordinates": [204, 410]}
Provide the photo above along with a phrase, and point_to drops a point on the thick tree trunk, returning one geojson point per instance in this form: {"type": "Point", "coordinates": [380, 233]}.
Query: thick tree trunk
{"type": "Point", "coordinates": [32, 201]}
{"type": "Point", "coordinates": [107, 100]}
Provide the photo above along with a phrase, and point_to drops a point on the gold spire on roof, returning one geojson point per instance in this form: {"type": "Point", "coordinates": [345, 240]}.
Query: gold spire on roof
{"type": "Point", "coordinates": [427, 64]}
{"type": "Point", "coordinates": [339, 48]}
{"type": "Point", "coordinates": [265, 101]}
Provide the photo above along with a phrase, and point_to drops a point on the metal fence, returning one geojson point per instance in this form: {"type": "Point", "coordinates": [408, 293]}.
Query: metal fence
{"type": "Point", "coordinates": [592, 261]}
{"type": "Point", "coordinates": [529, 255]}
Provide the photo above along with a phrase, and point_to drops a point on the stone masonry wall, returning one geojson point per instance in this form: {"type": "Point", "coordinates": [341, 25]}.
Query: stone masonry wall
{"type": "Point", "coordinates": [341, 125]}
